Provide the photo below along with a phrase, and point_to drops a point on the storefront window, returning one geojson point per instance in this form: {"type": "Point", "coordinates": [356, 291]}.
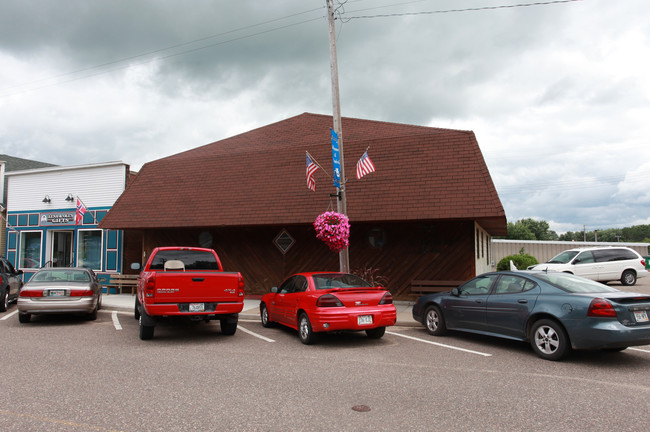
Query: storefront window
{"type": "Point", "coordinates": [90, 249]}
{"type": "Point", "coordinates": [30, 249]}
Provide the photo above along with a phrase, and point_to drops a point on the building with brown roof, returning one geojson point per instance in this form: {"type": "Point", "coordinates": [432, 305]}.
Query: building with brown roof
{"type": "Point", "coordinates": [427, 213]}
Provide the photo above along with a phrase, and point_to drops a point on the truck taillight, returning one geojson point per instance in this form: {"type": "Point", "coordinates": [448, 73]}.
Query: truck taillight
{"type": "Point", "coordinates": [150, 286]}
{"type": "Point", "coordinates": [240, 286]}
{"type": "Point", "coordinates": [386, 299]}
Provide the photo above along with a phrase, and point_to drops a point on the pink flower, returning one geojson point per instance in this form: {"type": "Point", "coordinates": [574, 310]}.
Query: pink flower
{"type": "Point", "coordinates": [334, 229]}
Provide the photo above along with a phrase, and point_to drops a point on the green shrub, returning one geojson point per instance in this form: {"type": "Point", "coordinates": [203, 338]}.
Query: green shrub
{"type": "Point", "coordinates": [521, 261]}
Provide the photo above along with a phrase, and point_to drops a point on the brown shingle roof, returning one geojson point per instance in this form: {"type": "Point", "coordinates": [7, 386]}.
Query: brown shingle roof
{"type": "Point", "coordinates": [258, 178]}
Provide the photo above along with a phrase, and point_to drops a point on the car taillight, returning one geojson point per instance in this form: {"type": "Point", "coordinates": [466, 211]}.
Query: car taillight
{"type": "Point", "coordinates": [150, 286]}
{"type": "Point", "coordinates": [643, 262]}
{"type": "Point", "coordinates": [81, 293]}
{"type": "Point", "coordinates": [386, 299]}
{"type": "Point", "coordinates": [240, 286]}
{"type": "Point", "coordinates": [31, 293]}
{"type": "Point", "coordinates": [601, 308]}
{"type": "Point", "coordinates": [328, 300]}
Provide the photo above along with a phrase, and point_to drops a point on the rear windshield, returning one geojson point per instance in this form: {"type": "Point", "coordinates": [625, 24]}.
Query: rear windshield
{"type": "Point", "coordinates": [339, 280]}
{"type": "Point", "coordinates": [192, 259]}
{"type": "Point", "coordinates": [61, 276]}
{"type": "Point", "coordinates": [574, 284]}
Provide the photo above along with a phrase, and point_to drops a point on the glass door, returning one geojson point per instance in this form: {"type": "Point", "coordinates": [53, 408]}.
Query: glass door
{"type": "Point", "coordinates": [62, 248]}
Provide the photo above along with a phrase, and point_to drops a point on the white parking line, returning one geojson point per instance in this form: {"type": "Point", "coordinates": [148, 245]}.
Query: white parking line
{"type": "Point", "coordinates": [441, 345]}
{"type": "Point", "coordinates": [639, 349]}
{"type": "Point", "coordinates": [116, 321]}
{"type": "Point", "coordinates": [115, 311]}
{"type": "Point", "coordinates": [245, 330]}
{"type": "Point", "coordinates": [6, 317]}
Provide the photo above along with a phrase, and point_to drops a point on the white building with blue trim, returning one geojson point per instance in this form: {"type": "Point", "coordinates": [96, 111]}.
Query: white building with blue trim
{"type": "Point", "coordinates": [41, 211]}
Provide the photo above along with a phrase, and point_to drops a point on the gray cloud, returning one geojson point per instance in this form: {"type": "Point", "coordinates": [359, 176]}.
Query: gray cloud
{"type": "Point", "coordinates": [557, 95]}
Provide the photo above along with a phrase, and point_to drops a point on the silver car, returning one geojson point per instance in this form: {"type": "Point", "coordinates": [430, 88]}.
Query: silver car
{"type": "Point", "coordinates": [60, 290]}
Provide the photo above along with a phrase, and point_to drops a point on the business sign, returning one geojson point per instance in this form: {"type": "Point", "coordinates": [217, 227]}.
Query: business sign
{"type": "Point", "coordinates": [336, 160]}
{"type": "Point", "coordinates": [49, 219]}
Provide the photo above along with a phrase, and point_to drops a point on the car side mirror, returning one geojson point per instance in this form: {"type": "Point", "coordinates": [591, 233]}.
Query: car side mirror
{"type": "Point", "coordinates": [19, 272]}
{"type": "Point", "coordinates": [135, 266]}
{"type": "Point", "coordinates": [274, 290]}
{"type": "Point", "coordinates": [576, 261]}
{"type": "Point", "coordinates": [455, 292]}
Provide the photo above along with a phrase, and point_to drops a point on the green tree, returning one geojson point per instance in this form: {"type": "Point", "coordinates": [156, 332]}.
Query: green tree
{"type": "Point", "coordinates": [517, 231]}
{"type": "Point", "coordinates": [530, 229]}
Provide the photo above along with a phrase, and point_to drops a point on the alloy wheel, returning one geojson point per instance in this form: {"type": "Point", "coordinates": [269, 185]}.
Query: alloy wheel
{"type": "Point", "coordinates": [547, 340]}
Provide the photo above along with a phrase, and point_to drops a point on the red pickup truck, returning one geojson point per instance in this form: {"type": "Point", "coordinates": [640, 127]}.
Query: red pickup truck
{"type": "Point", "coordinates": [187, 282]}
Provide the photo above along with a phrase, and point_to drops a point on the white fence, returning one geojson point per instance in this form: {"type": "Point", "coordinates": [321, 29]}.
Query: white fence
{"type": "Point", "coordinates": [545, 250]}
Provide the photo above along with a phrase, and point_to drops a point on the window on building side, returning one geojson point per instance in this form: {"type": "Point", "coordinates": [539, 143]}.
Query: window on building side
{"type": "Point", "coordinates": [30, 250]}
{"type": "Point", "coordinates": [89, 252]}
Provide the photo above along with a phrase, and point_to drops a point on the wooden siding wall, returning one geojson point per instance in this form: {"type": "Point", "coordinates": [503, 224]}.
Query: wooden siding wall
{"type": "Point", "coordinates": [412, 251]}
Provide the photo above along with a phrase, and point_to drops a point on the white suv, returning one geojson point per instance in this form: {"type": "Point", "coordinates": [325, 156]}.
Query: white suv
{"type": "Point", "coordinates": [602, 264]}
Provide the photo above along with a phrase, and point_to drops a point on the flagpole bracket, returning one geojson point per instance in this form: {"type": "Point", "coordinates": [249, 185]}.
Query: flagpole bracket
{"type": "Point", "coordinates": [338, 195]}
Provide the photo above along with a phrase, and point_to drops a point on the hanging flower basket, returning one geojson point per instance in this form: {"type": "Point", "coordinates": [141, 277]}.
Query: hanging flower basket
{"type": "Point", "coordinates": [334, 229]}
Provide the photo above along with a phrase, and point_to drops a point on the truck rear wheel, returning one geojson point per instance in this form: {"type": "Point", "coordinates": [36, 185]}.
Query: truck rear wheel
{"type": "Point", "coordinates": [136, 310]}
{"type": "Point", "coordinates": [229, 326]}
{"type": "Point", "coordinates": [146, 332]}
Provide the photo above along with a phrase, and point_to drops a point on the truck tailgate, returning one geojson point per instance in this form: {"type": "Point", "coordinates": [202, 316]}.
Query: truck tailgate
{"type": "Point", "coordinates": [203, 286]}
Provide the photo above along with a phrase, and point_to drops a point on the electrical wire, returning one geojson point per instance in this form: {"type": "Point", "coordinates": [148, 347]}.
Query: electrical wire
{"type": "Point", "coordinates": [341, 15]}
{"type": "Point", "coordinates": [481, 8]}
{"type": "Point", "coordinates": [562, 185]}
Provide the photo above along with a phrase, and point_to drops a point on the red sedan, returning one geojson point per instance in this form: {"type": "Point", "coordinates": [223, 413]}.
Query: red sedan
{"type": "Point", "coordinates": [328, 301]}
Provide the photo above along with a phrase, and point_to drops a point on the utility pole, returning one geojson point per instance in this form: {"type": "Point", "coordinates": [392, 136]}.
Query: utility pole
{"type": "Point", "coordinates": [341, 203]}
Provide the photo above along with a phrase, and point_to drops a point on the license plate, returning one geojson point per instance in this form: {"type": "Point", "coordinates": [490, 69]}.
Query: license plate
{"type": "Point", "coordinates": [56, 293]}
{"type": "Point", "coordinates": [364, 319]}
{"type": "Point", "coordinates": [197, 307]}
{"type": "Point", "coordinates": [641, 316]}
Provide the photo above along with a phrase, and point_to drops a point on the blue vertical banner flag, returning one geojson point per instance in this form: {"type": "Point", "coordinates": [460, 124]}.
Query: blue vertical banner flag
{"type": "Point", "coordinates": [336, 160]}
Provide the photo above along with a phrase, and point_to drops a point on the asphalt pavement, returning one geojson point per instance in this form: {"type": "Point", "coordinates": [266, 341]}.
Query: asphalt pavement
{"type": "Point", "coordinates": [126, 303]}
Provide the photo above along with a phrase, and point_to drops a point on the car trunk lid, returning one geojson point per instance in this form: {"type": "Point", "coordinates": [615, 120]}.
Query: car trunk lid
{"type": "Point", "coordinates": [351, 297]}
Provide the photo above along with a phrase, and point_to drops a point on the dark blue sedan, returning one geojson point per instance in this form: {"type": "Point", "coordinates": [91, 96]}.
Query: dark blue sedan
{"type": "Point", "coordinates": [555, 312]}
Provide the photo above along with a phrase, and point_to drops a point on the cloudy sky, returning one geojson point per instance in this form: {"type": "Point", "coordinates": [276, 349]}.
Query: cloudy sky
{"type": "Point", "coordinates": [557, 93]}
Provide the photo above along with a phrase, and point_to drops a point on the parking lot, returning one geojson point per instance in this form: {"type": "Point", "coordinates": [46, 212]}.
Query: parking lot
{"type": "Point", "coordinates": [69, 374]}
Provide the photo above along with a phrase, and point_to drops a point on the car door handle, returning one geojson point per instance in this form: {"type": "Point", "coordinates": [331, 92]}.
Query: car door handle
{"type": "Point", "coordinates": [197, 279]}
{"type": "Point", "coordinates": [479, 301]}
{"type": "Point", "coordinates": [522, 301]}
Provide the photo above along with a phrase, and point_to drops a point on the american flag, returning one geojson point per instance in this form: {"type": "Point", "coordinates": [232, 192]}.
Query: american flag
{"type": "Point", "coordinates": [311, 169]}
{"type": "Point", "coordinates": [81, 211]}
{"type": "Point", "coordinates": [364, 166]}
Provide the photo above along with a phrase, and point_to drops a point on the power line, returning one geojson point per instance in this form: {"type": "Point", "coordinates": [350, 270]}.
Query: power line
{"type": "Point", "coordinates": [567, 185]}
{"type": "Point", "coordinates": [101, 68]}
{"type": "Point", "coordinates": [481, 8]}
